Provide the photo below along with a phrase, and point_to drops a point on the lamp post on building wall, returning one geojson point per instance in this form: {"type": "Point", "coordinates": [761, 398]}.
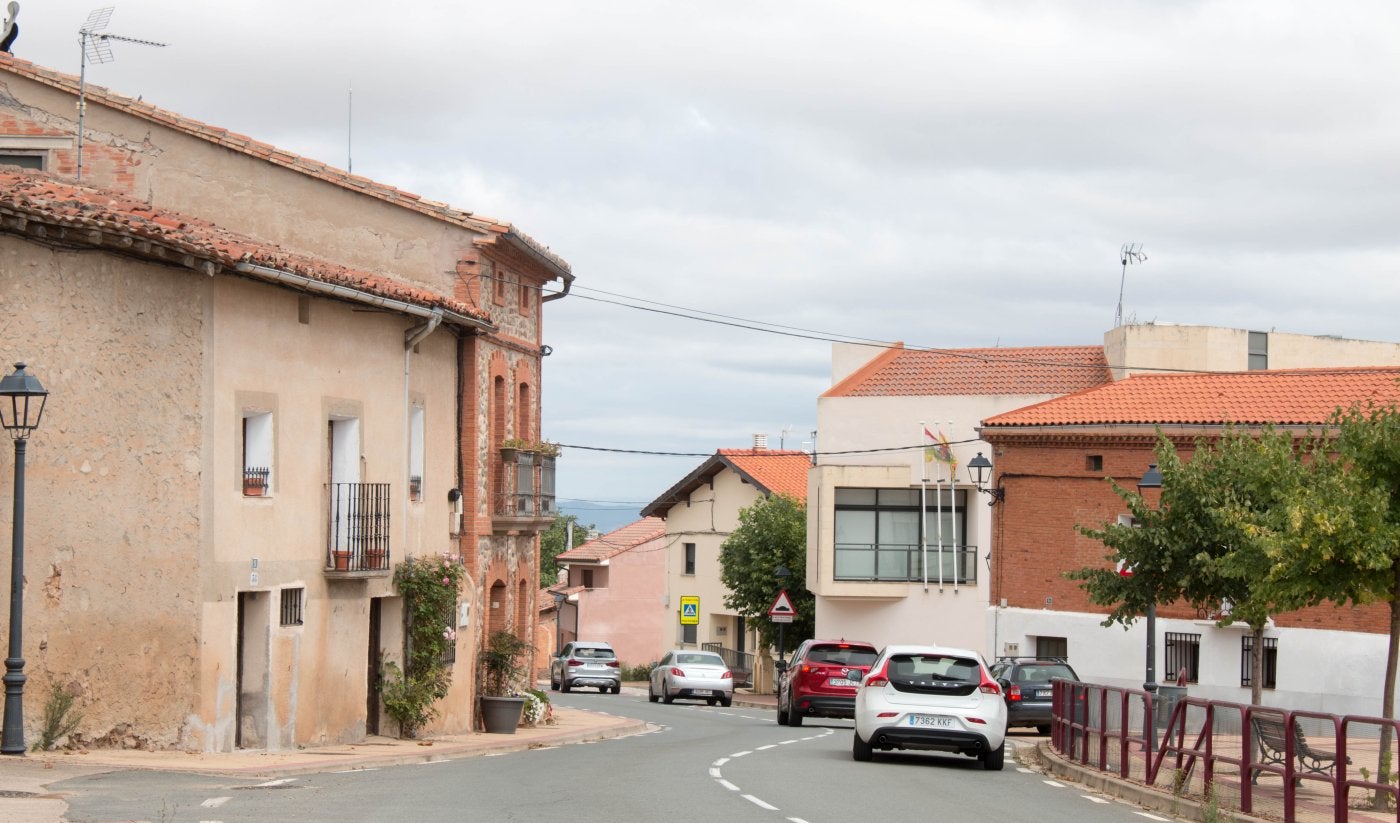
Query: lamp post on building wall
{"type": "Point", "coordinates": [1152, 479]}
{"type": "Point", "coordinates": [21, 405]}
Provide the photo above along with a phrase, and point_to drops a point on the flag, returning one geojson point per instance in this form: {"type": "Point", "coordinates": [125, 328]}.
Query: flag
{"type": "Point", "coordinates": [941, 450]}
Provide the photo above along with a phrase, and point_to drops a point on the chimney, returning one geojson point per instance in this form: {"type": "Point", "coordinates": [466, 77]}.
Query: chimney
{"type": "Point", "coordinates": [760, 442]}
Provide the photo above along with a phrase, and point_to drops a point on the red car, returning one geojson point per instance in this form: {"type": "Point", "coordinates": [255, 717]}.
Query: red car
{"type": "Point", "coordinates": [817, 681]}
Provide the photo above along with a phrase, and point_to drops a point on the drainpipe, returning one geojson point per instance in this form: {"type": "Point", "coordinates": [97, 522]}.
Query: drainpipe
{"type": "Point", "coordinates": [411, 338]}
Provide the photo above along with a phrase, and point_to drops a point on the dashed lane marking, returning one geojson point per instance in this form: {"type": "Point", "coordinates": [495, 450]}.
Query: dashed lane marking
{"type": "Point", "coordinates": [1094, 799]}
{"type": "Point", "coordinates": [760, 803]}
{"type": "Point", "coordinates": [215, 802]}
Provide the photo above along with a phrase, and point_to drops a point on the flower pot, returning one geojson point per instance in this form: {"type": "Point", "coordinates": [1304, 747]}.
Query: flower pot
{"type": "Point", "coordinates": [509, 454]}
{"type": "Point", "coordinates": [342, 561]}
{"type": "Point", "coordinates": [501, 715]}
{"type": "Point", "coordinates": [252, 489]}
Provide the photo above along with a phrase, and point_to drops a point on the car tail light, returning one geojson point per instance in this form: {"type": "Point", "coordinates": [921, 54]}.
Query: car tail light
{"type": "Point", "coordinates": [878, 679]}
{"type": "Point", "coordinates": [728, 675]}
{"type": "Point", "coordinates": [676, 672]}
{"type": "Point", "coordinates": [613, 664]}
{"type": "Point", "coordinates": [974, 719]}
{"type": "Point", "coordinates": [988, 686]}
{"type": "Point", "coordinates": [573, 662]}
{"type": "Point", "coordinates": [1014, 693]}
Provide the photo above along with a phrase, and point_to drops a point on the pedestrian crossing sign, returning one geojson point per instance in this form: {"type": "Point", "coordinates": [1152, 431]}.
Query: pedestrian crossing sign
{"type": "Point", "coordinates": [690, 611]}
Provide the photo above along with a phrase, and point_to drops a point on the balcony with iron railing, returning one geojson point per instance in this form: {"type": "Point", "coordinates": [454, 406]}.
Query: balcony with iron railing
{"type": "Point", "coordinates": [524, 495]}
{"type": "Point", "coordinates": [358, 530]}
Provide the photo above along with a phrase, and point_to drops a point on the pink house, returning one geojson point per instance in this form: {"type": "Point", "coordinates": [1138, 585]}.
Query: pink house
{"type": "Point", "coordinates": [616, 592]}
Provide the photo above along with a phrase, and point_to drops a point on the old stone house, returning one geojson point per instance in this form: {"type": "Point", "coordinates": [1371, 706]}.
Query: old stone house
{"type": "Point", "coordinates": [270, 381]}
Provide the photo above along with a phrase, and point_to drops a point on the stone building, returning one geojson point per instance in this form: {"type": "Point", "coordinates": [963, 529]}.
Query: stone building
{"type": "Point", "coordinates": [270, 381]}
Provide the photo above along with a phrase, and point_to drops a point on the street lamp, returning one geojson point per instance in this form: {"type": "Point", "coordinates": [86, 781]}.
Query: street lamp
{"type": "Point", "coordinates": [979, 471]}
{"type": "Point", "coordinates": [21, 405]}
{"type": "Point", "coordinates": [559, 598]}
{"type": "Point", "coordinates": [1152, 479]}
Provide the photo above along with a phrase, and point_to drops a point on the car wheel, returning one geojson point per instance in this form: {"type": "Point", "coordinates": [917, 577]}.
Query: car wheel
{"type": "Point", "coordinates": [794, 717]}
{"type": "Point", "coordinates": [711, 700]}
{"type": "Point", "coordinates": [651, 695]}
{"type": "Point", "coordinates": [1043, 728]}
{"type": "Point", "coordinates": [782, 713]}
{"type": "Point", "coordinates": [726, 700]}
{"type": "Point", "coordinates": [666, 697]}
{"type": "Point", "coordinates": [564, 685]}
{"type": "Point", "coordinates": [617, 689]}
{"type": "Point", "coordinates": [994, 759]}
{"type": "Point", "coordinates": [860, 750]}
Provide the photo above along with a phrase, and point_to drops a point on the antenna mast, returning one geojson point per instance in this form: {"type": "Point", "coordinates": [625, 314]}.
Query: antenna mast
{"type": "Point", "coordinates": [1129, 253]}
{"type": "Point", "coordinates": [96, 46]}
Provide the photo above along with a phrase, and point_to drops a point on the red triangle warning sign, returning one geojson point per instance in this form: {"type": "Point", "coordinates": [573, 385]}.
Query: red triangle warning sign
{"type": "Point", "coordinates": [782, 606]}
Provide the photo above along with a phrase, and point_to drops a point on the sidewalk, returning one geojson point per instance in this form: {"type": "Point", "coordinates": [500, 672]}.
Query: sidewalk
{"type": "Point", "coordinates": [24, 795]}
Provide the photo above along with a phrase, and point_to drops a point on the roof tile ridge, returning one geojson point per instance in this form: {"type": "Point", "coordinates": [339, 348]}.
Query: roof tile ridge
{"type": "Point", "coordinates": [863, 373]}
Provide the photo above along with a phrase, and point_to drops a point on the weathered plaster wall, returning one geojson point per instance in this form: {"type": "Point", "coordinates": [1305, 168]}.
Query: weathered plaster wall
{"type": "Point", "coordinates": [114, 512]}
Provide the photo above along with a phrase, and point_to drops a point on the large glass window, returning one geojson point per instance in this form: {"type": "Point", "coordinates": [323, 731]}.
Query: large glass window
{"type": "Point", "coordinates": [878, 536]}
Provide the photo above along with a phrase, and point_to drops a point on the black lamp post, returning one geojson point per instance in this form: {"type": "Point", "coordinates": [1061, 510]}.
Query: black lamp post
{"type": "Point", "coordinates": [21, 405]}
{"type": "Point", "coordinates": [782, 574]}
{"type": "Point", "coordinates": [1152, 479]}
{"type": "Point", "coordinates": [559, 598]}
{"type": "Point", "coordinates": [979, 471]}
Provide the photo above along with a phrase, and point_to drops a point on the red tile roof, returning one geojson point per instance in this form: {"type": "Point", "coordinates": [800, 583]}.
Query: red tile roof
{"type": "Point", "coordinates": [617, 541]}
{"type": "Point", "coordinates": [36, 205]}
{"type": "Point", "coordinates": [900, 372]}
{"type": "Point", "coordinates": [93, 94]}
{"type": "Point", "coordinates": [780, 472]}
{"type": "Point", "coordinates": [1289, 397]}
{"type": "Point", "coordinates": [769, 471]}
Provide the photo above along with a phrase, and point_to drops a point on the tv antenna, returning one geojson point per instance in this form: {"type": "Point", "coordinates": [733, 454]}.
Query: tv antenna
{"type": "Point", "coordinates": [97, 47]}
{"type": "Point", "coordinates": [1130, 253]}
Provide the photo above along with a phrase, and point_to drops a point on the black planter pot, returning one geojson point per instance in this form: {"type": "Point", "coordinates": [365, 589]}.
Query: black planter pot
{"type": "Point", "coordinates": [501, 715]}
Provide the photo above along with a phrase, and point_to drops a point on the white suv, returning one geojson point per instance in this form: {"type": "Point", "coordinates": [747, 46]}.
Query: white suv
{"type": "Point", "coordinates": [931, 698]}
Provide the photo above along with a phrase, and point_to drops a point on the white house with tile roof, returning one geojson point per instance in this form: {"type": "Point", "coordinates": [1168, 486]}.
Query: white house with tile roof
{"type": "Point", "coordinates": [867, 542]}
{"type": "Point", "coordinates": [701, 511]}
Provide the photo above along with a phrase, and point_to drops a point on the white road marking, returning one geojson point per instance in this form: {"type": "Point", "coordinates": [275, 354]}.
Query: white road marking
{"type": "Point", "coordinates": [215, 802]}
{"type": "Point", "coordinates": [721, 761]}
{"type": "Point", "coordinates": [760, 803]}
{"type": "Point", "coordinates": [1092, 799]}
{"type": "Point", "coordinates": [1024, 770]}
{"type": "Point", "coordinates": [765, 748]}
{"type": "Point", "coordinates": [1054, 783]}
{"type": "Point", "coordinates": [740, 754]}
{"type": "Point", "coordinates": [1150, 816]}
{"type": "Point", "coordinates": [269, 783]}
{"type": "Point", "coordinates": [728, 785]}
{"type": "Point", "coordinates": [715, 773]}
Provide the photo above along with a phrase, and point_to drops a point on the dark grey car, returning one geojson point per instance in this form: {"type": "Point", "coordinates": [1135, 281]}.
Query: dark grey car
{"type": "Point", "coordinates": [1029, 688]}
{"type": "Point", "coordinates": [586, 663]}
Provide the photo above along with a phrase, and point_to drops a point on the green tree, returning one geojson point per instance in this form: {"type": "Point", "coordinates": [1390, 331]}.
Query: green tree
{"type": "Point", "coordinates": [771, 533]}
{"type": "Point", "coordinates": [553, 542]}
{"type": "Point", "coordinates": [1204, 543]}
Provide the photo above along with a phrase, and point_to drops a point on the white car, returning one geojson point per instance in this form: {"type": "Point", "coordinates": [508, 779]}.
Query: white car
{"type": "Point", "coordinates": [694, 674]}
{"type": "Point", "coordinates": [931, 698]}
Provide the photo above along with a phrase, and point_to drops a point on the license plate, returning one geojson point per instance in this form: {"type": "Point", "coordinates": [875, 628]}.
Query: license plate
{"type": "Point", "coordinates": [929, 720]}
{"type": "Point", "coordinates": [1044, 694]}
{"type": "Point", "coordinates": [700, 692]}
{"type": "Point", "coordinates": [841, 681]}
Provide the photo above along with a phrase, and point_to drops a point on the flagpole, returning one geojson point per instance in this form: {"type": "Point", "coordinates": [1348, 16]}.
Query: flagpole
{"type": "Point", "coordinates": [953, 486]}
{"type": "Point", "coordinates": [923, 506]}
{"type": "Point", "coordinates": [938, 481]}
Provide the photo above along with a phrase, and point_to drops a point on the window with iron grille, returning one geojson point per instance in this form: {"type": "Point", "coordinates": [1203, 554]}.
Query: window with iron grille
{"type": "Point", "coordinates": [1052, 647]}
{"type": "Point", "coordinates": [689, 558]}
{"type": "Point", "coordinates": [257, 453]}
{"type": "Point", "coordinates": [689, 632]}
{"type": "Point", "coordinates": [1183, 652]}
{"type": "Point", "coordinates": [291, 607]}
{"type": "Point", "coordinates": [1270, 661]}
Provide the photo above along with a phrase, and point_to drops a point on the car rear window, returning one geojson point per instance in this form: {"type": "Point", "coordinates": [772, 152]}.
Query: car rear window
{"type": "Point", "coordinates": [593, 654]}
{"type": "Point", "coordinates": [842, 655]}
{"type": "Point", "coordinates": [1044, 674]}
{"type": "Point", "coordinates": [934, 668]}
{"type": "Point", "coordinates": [700, 659]}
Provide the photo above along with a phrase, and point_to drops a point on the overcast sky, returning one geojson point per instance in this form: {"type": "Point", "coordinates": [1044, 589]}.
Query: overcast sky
{"type": "Point", "coordinates": [947, 174]}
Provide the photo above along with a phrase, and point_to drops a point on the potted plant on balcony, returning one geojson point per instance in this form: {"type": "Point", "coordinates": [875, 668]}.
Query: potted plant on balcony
{"type": "Point", "coordinates": [505, 663]}
{"type": "Point", "coordinates": [512, 446]}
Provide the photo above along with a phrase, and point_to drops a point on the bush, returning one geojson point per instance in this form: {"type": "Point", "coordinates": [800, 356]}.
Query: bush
{"type": "Point", "coordinates": [429, 587]}
{"type": "Point", "coordinates": [641, 671]}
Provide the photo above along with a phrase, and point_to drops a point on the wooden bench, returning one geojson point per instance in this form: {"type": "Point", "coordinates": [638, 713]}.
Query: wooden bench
{"type": "Point", "coordinates": [1271, 741]}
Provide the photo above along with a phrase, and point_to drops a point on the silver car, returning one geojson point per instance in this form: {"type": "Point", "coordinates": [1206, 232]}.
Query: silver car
{"type": "Point", "coordinates": [585, 663]}
{"type": "Point", "coordinates": [692, 674]}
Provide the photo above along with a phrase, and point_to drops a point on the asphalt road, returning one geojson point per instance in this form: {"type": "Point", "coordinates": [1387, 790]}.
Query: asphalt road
{"type": "Point", "coordinates": [694, 763]}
